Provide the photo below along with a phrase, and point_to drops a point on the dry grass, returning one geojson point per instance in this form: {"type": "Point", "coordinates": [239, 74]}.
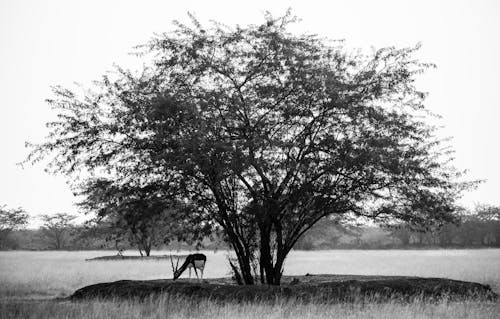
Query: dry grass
{"type": "Point", "coordinates": [180, 308]}
{"type": "Point", "coordinates": [42, 275]}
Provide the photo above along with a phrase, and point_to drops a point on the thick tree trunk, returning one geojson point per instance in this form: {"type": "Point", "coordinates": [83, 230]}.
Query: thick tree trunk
{"type": "Point", "coordinates": [266, 259]}
{"type": "Point", "coordinates": [271, 272]}
{"type": "Point", "coordinates": [246, 271]}
{"type": "Point", "coordinates": [237, 273]}
{"type": "Point", "coordinates": [243, 255]}
{"type": "Point", "coordinates": [278, 266]}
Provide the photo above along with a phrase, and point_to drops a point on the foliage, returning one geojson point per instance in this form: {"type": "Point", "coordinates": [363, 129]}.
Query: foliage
{"type": "Point", "coordinates": [145, 216]}
{"type": "Point", "coordinates": [477, 228]}
{"type": "Point", "coordinates": [265, 133]}
{"type": "Point", "coordinates": [10, 220]}
{"type": "Point", "coordinates": [56, 228]}
{"type": "Point", "coordinates": [325, 234]}
{"type": "Point", "coordinates": [92, 235]}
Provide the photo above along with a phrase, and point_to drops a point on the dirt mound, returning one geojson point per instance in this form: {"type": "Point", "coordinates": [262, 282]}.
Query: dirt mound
{"type": "Point", "coordinates": [299, 288]}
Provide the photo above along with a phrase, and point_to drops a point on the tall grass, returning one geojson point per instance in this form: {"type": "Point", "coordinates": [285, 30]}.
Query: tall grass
{"type": "Point", "coordinates": [166, 307]}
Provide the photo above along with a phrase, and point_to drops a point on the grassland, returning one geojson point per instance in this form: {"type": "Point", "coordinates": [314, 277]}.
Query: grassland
{"type": "Point", "coordinates": [181, 308]}
{"type": "Point", "coordinates": [29, 279]}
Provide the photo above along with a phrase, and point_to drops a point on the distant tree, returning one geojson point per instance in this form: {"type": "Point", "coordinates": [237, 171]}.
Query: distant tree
{"type": "Point", "coordinates": [477, 227]}
{"type": "Point", "coordinates": [447, 234]}
{"type": "Point", "coordinates": [324, 235]}
{"type": "Point", "coordinates": [490, 217]}
{"type": "Point", "coordinates": [146, 216]}
{"type": "Point", "coordinates": [56, 229]}
{"type": "Point", "coordinates": [471, 230]}
{"type": "Point", "coordinates": [402, 233]}
{"type": "Point", "coordinates": [265, 133]}
{"type": "Point", "coordinates": [10, 220]}
{"type": "Point", "coordinates": [91, 235]}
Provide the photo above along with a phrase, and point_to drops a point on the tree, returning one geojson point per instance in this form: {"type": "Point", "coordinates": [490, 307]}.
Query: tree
{"type": "Point", "coordinates": [446, 234]}
{"type": "Point", "coordinates": [10, 220]}
{"type": "Point", "coordinates": [266, 132]}
{"type": "Point", "coordinates": [91, 235]}
{"type": "Point", "coordinates": [323, 235]}
{"type": "Point", "coordinates": [402, 233]}
{"type": "Point", "coordinates": [56, 228]}
{"type": "Point", "coordinates": [146, 215]}
{"type": "Point", "coordinates": [490, 218]}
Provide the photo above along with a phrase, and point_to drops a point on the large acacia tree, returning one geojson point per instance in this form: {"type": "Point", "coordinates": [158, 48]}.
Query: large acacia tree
{"type": "Point", "coordinates": [267, 132]}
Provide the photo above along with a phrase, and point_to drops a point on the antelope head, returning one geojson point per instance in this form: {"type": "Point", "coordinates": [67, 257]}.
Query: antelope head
{"type": "Point", "coordinates": [175, 269]}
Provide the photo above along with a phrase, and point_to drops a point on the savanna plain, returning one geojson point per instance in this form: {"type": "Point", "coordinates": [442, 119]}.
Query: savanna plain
{"type": "Point", "coordinates": [34, 284]}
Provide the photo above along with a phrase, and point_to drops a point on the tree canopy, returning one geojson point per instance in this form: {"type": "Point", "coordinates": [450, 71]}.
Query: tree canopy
{"type": "Point", "coordinates": [146, 216]}
{"type": "Point", "coordinates": [265, 132]}
{"type": "Point", "coordinates": [11, 219]}
{"type": "Point", "coordinates": [56, 228]}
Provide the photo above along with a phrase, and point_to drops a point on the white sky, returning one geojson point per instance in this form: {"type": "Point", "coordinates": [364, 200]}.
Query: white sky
{"type": "Point", "coordinates": [44, 43]}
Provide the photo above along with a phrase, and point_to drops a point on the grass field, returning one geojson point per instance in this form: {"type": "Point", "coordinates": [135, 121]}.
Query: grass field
{"type": "Point", "coordinates": [29, 279]}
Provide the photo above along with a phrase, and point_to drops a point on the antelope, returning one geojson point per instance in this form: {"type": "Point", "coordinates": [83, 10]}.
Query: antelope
{"type": "Point", "coordinates": [196, 261]}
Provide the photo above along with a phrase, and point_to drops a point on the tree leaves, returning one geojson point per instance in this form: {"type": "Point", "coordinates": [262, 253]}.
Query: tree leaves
{"type": "Point", "coordinates": [265, 132]}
